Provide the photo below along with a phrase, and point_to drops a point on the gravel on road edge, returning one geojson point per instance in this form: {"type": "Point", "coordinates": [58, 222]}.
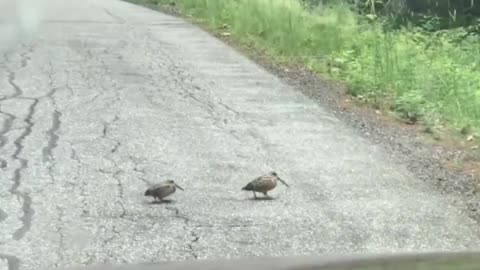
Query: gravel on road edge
{"type": "Point", "coordinates": [428, 161]}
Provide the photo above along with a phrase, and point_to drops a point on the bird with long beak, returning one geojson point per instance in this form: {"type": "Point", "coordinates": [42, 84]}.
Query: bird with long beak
{"type": "Point", "coordinates": [264, 184]}
{"type": "Point", "coordinates": [162, 190]}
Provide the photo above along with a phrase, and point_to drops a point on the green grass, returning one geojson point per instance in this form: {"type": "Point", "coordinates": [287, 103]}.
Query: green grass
{"type": "Point", "coordinates": [430, 78]}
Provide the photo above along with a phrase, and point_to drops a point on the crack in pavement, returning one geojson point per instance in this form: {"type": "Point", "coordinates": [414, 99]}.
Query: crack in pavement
{"type": "Point", "coordinates": [121, 192]}
{"type": "Point", "coordinates": [120, 188]}
{"type": "Point", "coordinates": [182, 78]}
{"type": "Point", "coordinates": [74, 156]}
{"type": "Point", "coordinates": [67, 84]}
{"type": "Point", "coordinates": [47, 151]}
{"type": "Point", "coordinates": [115, 174]}
{"type": "Point", "coordinates": [11, 75]}
{"type": "Point", "coordinates": [105, 130]}
{"type": "Point", "coordinates": [142, 172]}
{"type": "Point", "coordinates": [118, 19]}
{"type": "Point", "coordinates": [228, 226]}
{"type": "Point", "coordinates": [61, 245]}
{"type": "Point", "coordinates": [25, 58]}
{"type": "Point", "coordinates": [107, 241]}
{"type": "Point", "coordinates": [7, 126]}
{"type": "Point", "coordinates": [12, 261]}
{"type": "Point", "coordinates": [53, 89]}
{"type": "Point", "coordinates": [52, 138]}
{"type": "Point", "coordinates": [11, 80]}
{"type": "Point", "coordinates": [115, 147]}
{"type": "Point", "coordinates": [86, 77]}
{"type": "Point", "coordinates": [3, 163]}
{"type": "Point", "coordinates": [83, 186]}
{"type": "Point", "coordinates": [186, 227]}
{"type": "Point", "coordinates": [28, 211]}
{"type": "Point", "coordinates": [229, 108]}
{"type": "Point", "coordinates": [3, 215]}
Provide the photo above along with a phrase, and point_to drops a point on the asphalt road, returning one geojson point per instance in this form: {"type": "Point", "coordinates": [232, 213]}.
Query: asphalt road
{"type": "Point", "coordinates": [108, 97]}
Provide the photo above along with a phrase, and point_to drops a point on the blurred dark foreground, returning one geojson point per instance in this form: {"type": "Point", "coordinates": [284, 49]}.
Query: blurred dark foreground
{"type": "Point", "coordinates": [411, 261]}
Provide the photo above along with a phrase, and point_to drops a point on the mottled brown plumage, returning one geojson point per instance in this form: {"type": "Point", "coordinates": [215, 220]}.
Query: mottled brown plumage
{"type": "Point", "coordinates": [263, 184]}
{"type": "Point", "coordinates": [162, 190]}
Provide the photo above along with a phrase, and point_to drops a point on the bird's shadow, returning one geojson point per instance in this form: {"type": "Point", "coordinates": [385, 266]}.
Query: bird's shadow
{"type": "Point", "coordinates": [261, 199]}
{"type": "Point", "coordinates": [249, 199]}
{"type": "Point", "coordinates": [160, 202]}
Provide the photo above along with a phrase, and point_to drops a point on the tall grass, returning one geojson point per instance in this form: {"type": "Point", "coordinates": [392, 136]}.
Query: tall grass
{"type": "Point", "coordinates": [427, 77]}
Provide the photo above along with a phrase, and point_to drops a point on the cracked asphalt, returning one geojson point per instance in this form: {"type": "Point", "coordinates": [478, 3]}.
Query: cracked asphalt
{"type": "Point", "coordinates": [109, 97]}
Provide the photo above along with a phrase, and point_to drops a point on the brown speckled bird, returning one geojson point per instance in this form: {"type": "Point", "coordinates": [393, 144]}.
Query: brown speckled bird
{"type": "Point", "coordinates": [162, 190]}
{"type": "Point", "coordinates": [264, 184]}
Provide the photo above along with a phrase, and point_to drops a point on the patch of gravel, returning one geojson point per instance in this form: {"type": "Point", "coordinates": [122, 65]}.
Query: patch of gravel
{"type": "Point", "coordinates": [404, 143]}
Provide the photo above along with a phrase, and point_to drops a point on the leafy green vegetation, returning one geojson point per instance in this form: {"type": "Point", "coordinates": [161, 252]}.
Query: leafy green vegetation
{"type": "Point", "coordinates": [423, 76]}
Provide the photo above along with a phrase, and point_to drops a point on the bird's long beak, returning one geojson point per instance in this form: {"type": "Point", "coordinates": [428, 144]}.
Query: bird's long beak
{"type": "Point", "coordinates": [179, 187]}
{"type": "Point", "coordinates": [283, 182]}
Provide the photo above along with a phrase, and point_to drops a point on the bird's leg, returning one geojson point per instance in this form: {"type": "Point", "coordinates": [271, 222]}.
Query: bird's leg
{"type": "Point", "coordinates": [266, 195]}
{"type": "Point", "coordinates": [254, 194]}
